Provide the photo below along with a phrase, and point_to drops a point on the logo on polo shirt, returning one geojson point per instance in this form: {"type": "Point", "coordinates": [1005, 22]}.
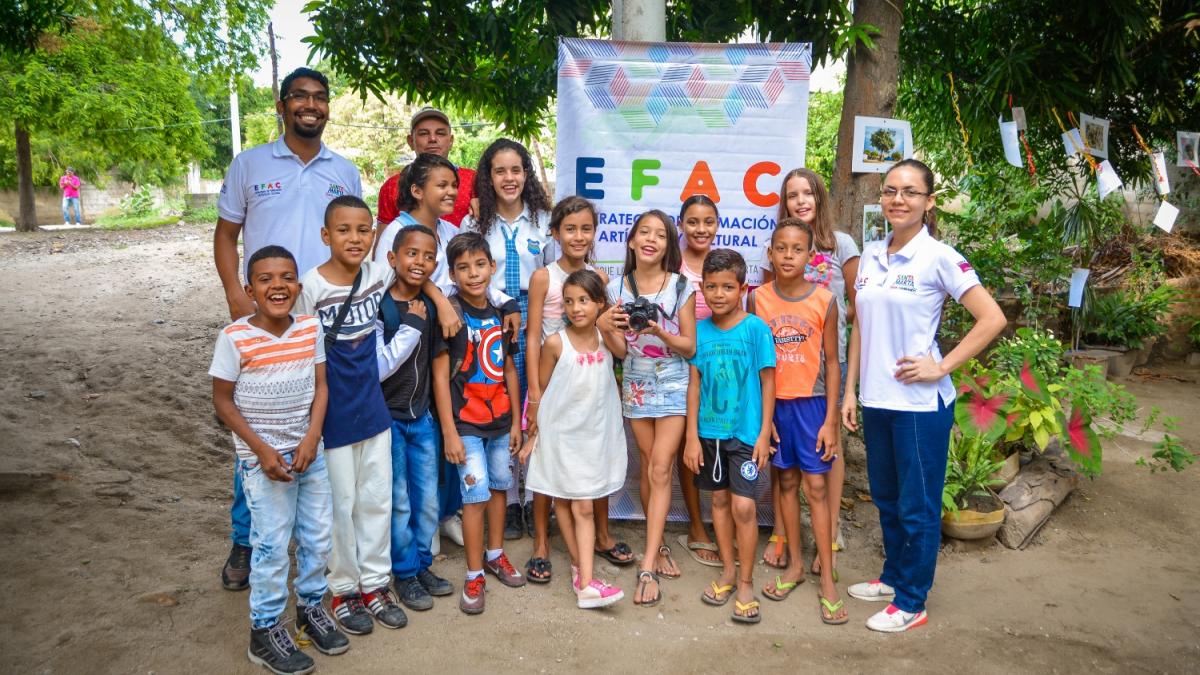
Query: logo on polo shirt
{"type": "Point", "coordinates": [335, 191]}
{"type": "Point", "coordinates": [267, 189]}
{"type": "Point", "coordinates": [964, 266]}
{"type": "Point", "coordinates": [905, 282]}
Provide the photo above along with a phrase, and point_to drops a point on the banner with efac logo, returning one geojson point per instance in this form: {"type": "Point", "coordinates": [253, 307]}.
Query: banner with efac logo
{"type": "Point", "coordinates": [645, 125]}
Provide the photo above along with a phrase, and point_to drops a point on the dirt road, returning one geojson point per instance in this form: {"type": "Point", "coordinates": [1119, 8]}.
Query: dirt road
{"type": "Point", "coordinates": [114, 487]}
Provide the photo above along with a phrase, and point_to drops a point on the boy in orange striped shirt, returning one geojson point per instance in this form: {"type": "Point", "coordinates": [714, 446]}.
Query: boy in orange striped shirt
{"type": "Point", "coordinates": [268, 373]}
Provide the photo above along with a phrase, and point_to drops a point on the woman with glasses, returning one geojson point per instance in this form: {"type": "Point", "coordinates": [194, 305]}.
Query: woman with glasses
{"type": "Point", "coordinates": [906, 392]}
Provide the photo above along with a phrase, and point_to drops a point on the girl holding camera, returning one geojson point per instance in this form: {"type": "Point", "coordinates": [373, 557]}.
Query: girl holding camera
{"type": "Point", "coordinates": [655, 309]}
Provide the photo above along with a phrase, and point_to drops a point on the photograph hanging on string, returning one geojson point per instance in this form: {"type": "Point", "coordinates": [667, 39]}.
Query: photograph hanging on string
{"type": "Point", "coordinates": [1187, 143]}
{"type": "Point", "coordinates": [879, 143]}
{"type": "Point", "coordinates": [1094, 132]}
{"type": "Point", "coordinates": [874, 226]}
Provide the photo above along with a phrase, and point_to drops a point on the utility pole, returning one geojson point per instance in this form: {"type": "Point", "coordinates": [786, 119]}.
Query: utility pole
{"type": "Point", "coordinates": [640, 20]}
{"type": "Point", "coordinates": [274, 73]}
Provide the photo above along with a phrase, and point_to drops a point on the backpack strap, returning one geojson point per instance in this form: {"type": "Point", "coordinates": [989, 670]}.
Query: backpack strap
{"type": "Point", "coordinates": [389, 311]}
{"type": "Point", "coordinates": [331, 336]}
{"type": "Point", "coordinates": [457, 362]}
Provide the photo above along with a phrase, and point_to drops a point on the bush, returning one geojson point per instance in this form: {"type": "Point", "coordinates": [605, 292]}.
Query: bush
{"type": "Point", "coordinates": [1127, 318]}
{"type": "Point", "coordinates": [139, 203]}
{"type": "Point", "coordinates": [1040, 348]}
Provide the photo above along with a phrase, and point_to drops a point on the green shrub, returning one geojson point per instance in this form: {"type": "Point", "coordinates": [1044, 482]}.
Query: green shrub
{"type": "Point", "coordinates": [138, 203]}
{"type": "Point", "coordinates": [1126, 318]}
{"type": "Point", "coordinates": [1043, 351]}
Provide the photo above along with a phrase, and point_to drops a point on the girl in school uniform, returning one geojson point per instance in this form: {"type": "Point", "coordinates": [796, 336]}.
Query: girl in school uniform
{"type": "Point", "coordinates": [906, 392]}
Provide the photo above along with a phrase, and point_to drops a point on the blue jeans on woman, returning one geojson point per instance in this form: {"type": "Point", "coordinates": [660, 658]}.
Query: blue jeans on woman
{"type": "Point", "coordinates": [416, 449]}
{"type": "Point", "coordinates": [906, 467]}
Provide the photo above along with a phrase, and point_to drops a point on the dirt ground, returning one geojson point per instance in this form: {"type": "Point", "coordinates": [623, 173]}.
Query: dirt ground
{"type": "Point", "coordinates": [114, 490]}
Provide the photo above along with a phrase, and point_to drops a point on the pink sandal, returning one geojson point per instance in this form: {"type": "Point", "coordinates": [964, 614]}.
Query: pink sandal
{"type": "Point", "coordinates": [599, 594]}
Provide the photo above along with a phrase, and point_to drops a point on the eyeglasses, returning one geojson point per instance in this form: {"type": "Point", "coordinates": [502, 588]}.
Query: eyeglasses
{"type": "Point", "coordinates": [909, 194]}
{"type": "Point", "coordinates": [305, 97]}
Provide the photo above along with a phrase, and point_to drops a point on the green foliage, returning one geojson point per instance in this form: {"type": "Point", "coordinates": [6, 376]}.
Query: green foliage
{"type": "Point", "coordinates": [502, 64]}
{"type": "Point", "coordinates": [1128, 318]}
{"type": "Point", "coordinates": [824, 116]}
{"type": "Point", "coordinates": [1037, 347]}
{"type": "Point", "coordinates": [204, 214]}
{"type": "Point", "coordinates": [969, 470]}
{"type": "Point", "coordinates": [1087, 387]}
{"type": "Point", "coordinates": [25, 21]}
{"type": "Point", "coordinates": [1134, 62]}
{"type": "Point", "coordinates": [1169, 453]}
{"type": "Point", "coordinates": [140, 222]}
{"type": "Point", "coordinates": [140, 202]}
{"type": "Point", "coordinates": [1194, 333]}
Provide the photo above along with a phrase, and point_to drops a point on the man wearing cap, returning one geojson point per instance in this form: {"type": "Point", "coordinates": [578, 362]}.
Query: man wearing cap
{"type": "Point", "coordinates": [429, 132]}
{"type": "Point", "coordinates": [69, 184]}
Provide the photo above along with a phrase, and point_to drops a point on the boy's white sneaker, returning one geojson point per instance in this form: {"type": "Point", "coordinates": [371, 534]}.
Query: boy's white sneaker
{"type": "Point", "coordinates": [872, 591]}
{"type": "Point", "coordinates": [892, 619]}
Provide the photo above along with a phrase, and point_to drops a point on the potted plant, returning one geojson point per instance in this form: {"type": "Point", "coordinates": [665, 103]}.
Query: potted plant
{"type": "Point", "coordinates": [970, 510]}
{"type": "Point", "coordinates": [1128, 322]}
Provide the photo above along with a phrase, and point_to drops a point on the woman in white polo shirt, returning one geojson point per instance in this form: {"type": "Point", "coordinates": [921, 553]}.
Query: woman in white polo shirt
{"type": "Point", "coordinates": [906, 392]}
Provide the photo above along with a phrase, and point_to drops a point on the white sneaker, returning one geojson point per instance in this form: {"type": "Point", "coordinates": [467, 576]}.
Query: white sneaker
{"type": "Point", "coordinates": [452, 527]}
{"type": "Point", "coordinates": [435, 546]}
{"type": "Point", "coordinates": [599, 594]}
{"type": "Point", "coordinates": [872, 591]}
{"type": "Point", "coordinates": [892, 619]}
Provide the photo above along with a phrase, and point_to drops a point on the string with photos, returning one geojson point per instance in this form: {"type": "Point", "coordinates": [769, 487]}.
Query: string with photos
{"type": "Point", "coordinates": [1024, 141]}
{"type": "Point", "coordinates": [1074, 143]}
{"type": "Point", "coordinates": [958, 116]}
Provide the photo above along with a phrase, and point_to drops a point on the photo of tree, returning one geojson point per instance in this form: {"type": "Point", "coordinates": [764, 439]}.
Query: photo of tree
{"type": "Point", "coordinates": [883, 145]}
{"type": "Point", "coordinates": [879, 143]}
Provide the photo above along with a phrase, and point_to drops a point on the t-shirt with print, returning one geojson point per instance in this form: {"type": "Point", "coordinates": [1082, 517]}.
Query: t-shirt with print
{"type": "Point", "coordinates": [478, 392]}
{"type": "Point", "coordinates": [407, 390]}
{"type": "Point", "coordinates": [730, 364]}
{"type": "Point", "coordinates": [824, 268]}
{"type": "Point", "coordinates": [356, 409]}
{"type": "Point", "coordinates": [274, 376]}
{"type": "Point", "coordinates": [798, 327]}
{"type": "Point", "coordinates": [670, 299]}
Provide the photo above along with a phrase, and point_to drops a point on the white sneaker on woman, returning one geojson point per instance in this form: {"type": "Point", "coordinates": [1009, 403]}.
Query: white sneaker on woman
{"type": "Point", "coordinates": [892, 619]}
{"type": "Point", "coordinates": [872, 591]}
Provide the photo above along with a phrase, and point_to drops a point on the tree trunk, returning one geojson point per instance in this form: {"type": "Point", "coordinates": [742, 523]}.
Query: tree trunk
{"type": "Point", "coordinates": [27, 218]}
{"type": "Point", "coordinates": [871, 80]}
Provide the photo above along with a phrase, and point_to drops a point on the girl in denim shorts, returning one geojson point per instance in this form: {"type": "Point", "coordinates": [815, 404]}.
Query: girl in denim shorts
{"type": "Point", "coordinates": [661, 334]}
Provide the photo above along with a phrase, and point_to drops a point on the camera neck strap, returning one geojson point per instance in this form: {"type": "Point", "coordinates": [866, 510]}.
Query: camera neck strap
{"type": "Point", "coordinates": [680, 284]}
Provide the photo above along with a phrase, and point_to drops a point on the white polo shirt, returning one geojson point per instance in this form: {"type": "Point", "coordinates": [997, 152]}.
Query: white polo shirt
{"type": "Point", "coordinates": [536, 248]}
{"type": "Point", "coordinates": [899, 306]}
{"type": "Point", "coordinates": [280, 200]}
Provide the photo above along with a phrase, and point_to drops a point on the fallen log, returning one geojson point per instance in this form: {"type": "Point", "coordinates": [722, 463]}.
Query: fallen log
{"type": "Point", "coordinates": [1029, 500]}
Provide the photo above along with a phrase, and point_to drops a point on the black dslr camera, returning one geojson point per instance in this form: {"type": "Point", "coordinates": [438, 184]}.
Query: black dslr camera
{"type": "Point", "coordinates": [641, 312]}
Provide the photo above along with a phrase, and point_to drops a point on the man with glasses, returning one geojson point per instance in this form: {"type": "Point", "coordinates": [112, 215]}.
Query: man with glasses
{"type": "Point", "coordinates": [276, 194]}
{"type": "Point", "coordinates": [430, 132]}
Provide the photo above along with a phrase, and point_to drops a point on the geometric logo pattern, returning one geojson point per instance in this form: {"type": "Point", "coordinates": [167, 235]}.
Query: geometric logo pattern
{"type": "Point", "coordinates": [643, 83]}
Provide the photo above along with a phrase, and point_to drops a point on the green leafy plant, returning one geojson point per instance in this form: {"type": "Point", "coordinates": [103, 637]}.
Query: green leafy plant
{"type": "Point", "coordinates": [1194, 333]}
{"type": "Point", "coordinates": [1035, 346]}
{"type": "Point", "coordinates": [969, 470]}
{"type": "Point", "coordinates": [1127, 318]}
{"type": "Point", "coordinates": [140, 202]}
{"type": "Point", "coordinates": [1169, 452]}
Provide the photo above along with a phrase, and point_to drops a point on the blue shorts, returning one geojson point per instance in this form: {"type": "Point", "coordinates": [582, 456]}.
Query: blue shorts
{"type": "Point", "coordinates": [797, 422]}
{"type": "Point", "coordinates": [486, 468]}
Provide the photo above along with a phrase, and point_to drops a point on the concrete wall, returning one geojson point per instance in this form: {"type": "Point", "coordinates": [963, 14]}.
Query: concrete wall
{"type": "Point", "coordinates": [96, 201]}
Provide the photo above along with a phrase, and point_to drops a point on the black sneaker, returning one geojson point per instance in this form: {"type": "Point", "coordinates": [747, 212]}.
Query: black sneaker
{"type": "Point", "coordinates": [235, 576]}
{"type": "Point", "coordinates": [433, 584]}
{"type": "Point", "coordinates": [382, 605]}
{"type": "Point", "coordinates": [413, 594]}
{"type": "Point", "coordinates": [315, 624]}
{"type": "Point", "coordinates": [352, 614]}
{"type": "Point", "coordinates": [273, 649]}
{"type": "Point", "coordinates": [514, 527]}
{"type": "Point", "coordinates": [529, 526]}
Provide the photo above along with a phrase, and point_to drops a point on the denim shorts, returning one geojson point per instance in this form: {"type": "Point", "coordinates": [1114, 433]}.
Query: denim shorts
{"type": "Point", "coordinates": [652, 388]}
{"type": "Point", "coordinates": [486, 468]}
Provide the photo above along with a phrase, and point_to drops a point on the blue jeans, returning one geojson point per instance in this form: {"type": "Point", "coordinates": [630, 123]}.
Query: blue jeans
{"type": "Point", "coordinates": [906, 467]}
{"type": "Point", "coordinates": [449, 496]}
{"type": "Point", "coordinates": [486, 467]}
{"type": "Point", "coordinates": [415, 453]}
{"type": "Point", "coordinates": [239, 512]}
{"type": "Point", "coordinates": [302, 508]}
{"type": "Point", "coordinates": [68, 202]}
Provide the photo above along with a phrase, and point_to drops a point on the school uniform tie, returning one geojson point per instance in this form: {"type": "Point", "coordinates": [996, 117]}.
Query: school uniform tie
{"type": "Point", "coordinates": [512, 261]}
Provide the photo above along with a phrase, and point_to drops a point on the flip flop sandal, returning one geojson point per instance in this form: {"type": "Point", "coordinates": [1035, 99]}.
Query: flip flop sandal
{"type": "Point", "coordinates": [666, 550]}
{"type": "Point", "coordinates": [694, 546]}
{"type": "Point", "coordinates": [743, 618]}
{"type": "Point", "coordinates": [716, 598]}
{"type": "Point", "coordinates": [613, 555]}
{"type": "Point", "coordinates": [780, 585]}
{"type": "Point", "coordinates": [780, 552]}
{"type": "Point", "coordinates": [833, 608]}
{"type": "Point", "coordinates": [644, 578]}
{"type": "Point", "coordinates": [542, 568]}
{"type": "Point", "coordinates": [815, 570]}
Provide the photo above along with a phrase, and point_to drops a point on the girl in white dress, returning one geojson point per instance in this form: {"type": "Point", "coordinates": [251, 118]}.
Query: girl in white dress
{"type": "Point", "coordinates": [578, 454]}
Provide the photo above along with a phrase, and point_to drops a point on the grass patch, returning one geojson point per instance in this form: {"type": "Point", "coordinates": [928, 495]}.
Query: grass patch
{"type": "Point", "coordinates": [144, 222]}
{"type": "Point", "coordinates": [201, 216]}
